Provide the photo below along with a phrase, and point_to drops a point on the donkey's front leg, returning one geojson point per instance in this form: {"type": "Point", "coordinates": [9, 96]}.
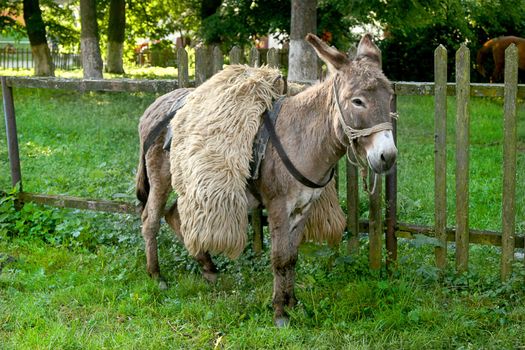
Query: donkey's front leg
{"type": "Point", "coordinates": [286, 228]}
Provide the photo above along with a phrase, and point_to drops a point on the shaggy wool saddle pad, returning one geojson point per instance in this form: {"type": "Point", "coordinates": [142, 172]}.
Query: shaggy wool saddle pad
{"type": "Point", "coordinates": [210, 157]}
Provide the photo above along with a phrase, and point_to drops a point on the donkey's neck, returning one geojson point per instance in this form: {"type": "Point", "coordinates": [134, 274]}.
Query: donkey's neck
{"type": "Point", "coordinates": [310, 136]}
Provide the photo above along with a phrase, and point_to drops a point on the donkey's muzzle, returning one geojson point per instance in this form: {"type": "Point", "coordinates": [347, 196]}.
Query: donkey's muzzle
{"type": "Point", "coordinates": [382, 153]}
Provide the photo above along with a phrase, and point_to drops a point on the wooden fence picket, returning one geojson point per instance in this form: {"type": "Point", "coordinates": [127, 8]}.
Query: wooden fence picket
{"type": "Point", "coordinates": [375, 223]}
{"type": "Point", "coordinates": [509, 161]}
{"type": "Point", "coordinates": [235, 55]}
{"type": "Point", "coordinates": [352, 204]}
{"type": "Point", "coordinates": [272, 57]}
{"type": "Point", "coordinates": [462, 156]}
{"type": "Point", "coordinates": [201, 64]}
{"type": "Point", "coordinates": [255, 59]}
{"type": "Point", "coordinates": [391, 201]}
{"type": "Point", "coordinates": [218, 60]}
{"type": "Point", "coordinates": [440, 160]}
{"type": "Point", "coordinates": [182, 68]}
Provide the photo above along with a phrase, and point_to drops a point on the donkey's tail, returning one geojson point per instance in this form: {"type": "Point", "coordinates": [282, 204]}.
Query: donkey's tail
{"type": "Point", "coordinates": [142, 181]}
{"type": "Point", "coordinates": [482, 56]}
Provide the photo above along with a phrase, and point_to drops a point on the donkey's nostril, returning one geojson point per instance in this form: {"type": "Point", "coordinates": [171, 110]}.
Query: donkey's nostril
{"type": "Point", "coordinates": [383, 157]}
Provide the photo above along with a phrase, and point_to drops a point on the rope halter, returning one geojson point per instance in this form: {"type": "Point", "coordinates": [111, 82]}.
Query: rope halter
{"type": "Point", "coordinates": [354, 134]}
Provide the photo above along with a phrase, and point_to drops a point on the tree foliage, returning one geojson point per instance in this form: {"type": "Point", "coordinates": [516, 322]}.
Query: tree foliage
{"type": "Point", "coordinates": [8, 24]}
{"type": "Point", "coordinates": [412, 29]}
{"type": "Point", "coordinates": [157, 19]}
{"type": "Point", "coordinates": [61, 23]}
{"type": "Point", "coordinates": [238, 22]}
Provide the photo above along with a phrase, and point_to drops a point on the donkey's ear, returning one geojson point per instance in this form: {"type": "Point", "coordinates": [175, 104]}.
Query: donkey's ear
{"type": "Point", "coordinates": [333, 58]}
{"type": "Point", "coordinates": [368, 50]}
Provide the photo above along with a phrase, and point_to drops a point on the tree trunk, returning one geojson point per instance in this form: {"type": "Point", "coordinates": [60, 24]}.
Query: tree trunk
{"type": "Point", "coordinates": [302, 58]}
{"type": "Point", "coordinates": [36, 31]}
{"type": "Point", "coordinates": [91, 59]}
{"type": "Point", "coordinates": [116, 27]}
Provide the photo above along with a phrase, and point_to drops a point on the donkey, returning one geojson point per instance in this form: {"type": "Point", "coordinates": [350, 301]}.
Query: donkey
{"type": "Point", "coordinates": [349, 112]}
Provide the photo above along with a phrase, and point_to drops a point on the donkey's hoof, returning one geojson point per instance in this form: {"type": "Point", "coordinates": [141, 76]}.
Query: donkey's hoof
{"type": "Point", "coordinates": [211, 277]}
{"type": "Point", "coordinates": [281, 322]}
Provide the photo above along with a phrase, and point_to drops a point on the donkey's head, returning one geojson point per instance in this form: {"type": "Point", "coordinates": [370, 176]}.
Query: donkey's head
{"type": "Point", "coordinates": [361, 97]}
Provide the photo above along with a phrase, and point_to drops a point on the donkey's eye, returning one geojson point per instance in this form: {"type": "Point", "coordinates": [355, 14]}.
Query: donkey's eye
{"type": "Point", "coordinates": [358, 102]}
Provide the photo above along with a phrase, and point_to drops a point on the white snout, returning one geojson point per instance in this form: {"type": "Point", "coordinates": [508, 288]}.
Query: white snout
{"type": "Point", "coordinates": [381, 151]}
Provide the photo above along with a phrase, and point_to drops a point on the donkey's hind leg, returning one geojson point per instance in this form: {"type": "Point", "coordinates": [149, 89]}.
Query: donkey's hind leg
{"type": "Point", "coordinates": [209, 270]}
{"type": "Point", "coordinates": [151, 216]}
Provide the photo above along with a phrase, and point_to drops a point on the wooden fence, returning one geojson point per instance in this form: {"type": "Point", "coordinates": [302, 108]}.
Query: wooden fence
{"type": "Point", "coordinates": [22, 58]}
{"type": "Point", "coordinates": [168, 57]}
{"type": "Point", "coordinates": [209, 61]}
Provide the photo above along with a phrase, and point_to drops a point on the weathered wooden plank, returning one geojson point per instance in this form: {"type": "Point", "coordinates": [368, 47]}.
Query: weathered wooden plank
{"type": "Point", "coordinates": [509, 161]}
{"type": "Point", "coordinates": [255, 58]}
{"type": "Point", "coordinates": [272, 58]}
{"type": "Point", "coordinates": [391, 202]}
{"type": "Point", "coordinates": [235, 55]}
{"type": "Point", "coordinates": [11, 133]}
{"type": "Point", "coordinates": [462, 156]}
{"type": "Point", "coordinates": [218, 60]}
{"type": "Point", "coordinates": [182, 68]}
{"type": "Point", "coordinates": [375, 230]}
{"type": "Point", "coordinates": [403, 230]}
{"type": "Point", "coordinates": [440, 154]}
{"type": "Point", "coordinates": [130, 85]}
{"type": "Point", "coordinates": [483, 237]}
{"type": "Point", "coordinates": [201, 65]}
{"type": "Point", "coordinates": [166, 85]}
{"type": "Point", "coordinates": [404, 88]}
{"type": "Point", "coordinates": [79, 203]}
{"type": "Point", "coordinates": [352, 203]}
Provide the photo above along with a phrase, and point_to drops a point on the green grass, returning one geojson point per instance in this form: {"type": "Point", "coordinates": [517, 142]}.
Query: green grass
{"type": "Point", "coordinates": [77, 144]}
{"type": "Point", "coordinates": [59, 298]}
{"type": "Point", "coordinates": [79, 277]}
{"type": "Point", "coordinates": [135, 72]}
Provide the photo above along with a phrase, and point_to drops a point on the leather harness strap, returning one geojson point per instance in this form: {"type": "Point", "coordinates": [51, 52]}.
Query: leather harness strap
{"type": "Point", "coordinates": [269, 125]}
{"type": "Point", "coordinates": [164, 122]}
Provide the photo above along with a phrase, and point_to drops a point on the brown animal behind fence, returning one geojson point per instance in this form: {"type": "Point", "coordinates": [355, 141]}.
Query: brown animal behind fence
{"type": "Point", "coordinates": [497, 47]}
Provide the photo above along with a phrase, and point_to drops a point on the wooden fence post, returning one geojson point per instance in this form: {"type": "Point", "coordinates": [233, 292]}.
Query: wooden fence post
{"type": "Point", "coordinates": [462, 156]}
{"type": "Point", "coordinates": [235, 55]}
{"type": "Point", "coordinates": [201, 64]}
{"type": "Point", "coordinates": [352, 205]}
{"type": "Point", "coordinates": [509, 162]}
{"type": "Point", "coordinates": [254, 57]}
{"type": "Point", "coordinates": [272, 58]}
{"type": "Point", "coordinates": [440, 152]}
{"type": "Point", "coordinates": [182, 68]}
{"type": "Point", "coordinates": [218, 60]}
{"type": "Point", "coordinates": [375, 228]}
{"type": "Point", "coordinates": [391, 201]}
{"type": "Point", "coordinates": [11, 133]}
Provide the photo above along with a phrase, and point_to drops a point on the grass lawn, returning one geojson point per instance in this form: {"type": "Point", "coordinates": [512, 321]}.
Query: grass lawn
{"type": "Point", "coordinates": [79, 281]}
